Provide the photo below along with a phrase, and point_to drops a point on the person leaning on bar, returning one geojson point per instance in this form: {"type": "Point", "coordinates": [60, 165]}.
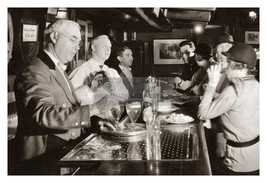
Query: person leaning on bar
{"type": "Point", "coordinates": [203, 57]}
{"type": "Point", "coordinates": [187, 49]}
{"type": "Point", "coordinates": [49, 114]}
{"type": "Point", "coordinates": [238, 108]}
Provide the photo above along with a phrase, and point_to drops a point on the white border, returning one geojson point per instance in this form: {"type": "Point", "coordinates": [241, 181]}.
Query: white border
{"type": "Point", "coordinates": [135, 3]}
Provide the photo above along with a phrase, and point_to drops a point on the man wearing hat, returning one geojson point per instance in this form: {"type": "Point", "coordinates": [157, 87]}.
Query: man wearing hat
{"type": "Point", "coordinates": [203, 57]}
{"type": "Point", "coordinates": [238, 108]}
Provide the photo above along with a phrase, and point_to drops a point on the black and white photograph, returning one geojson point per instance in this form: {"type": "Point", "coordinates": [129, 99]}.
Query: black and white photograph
{"type": "Point", "coordinates": [113, 90]}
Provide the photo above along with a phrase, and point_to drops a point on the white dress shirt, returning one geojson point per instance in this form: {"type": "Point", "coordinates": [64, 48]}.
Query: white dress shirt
{"type": "Point", "coordinates": [84, 73]}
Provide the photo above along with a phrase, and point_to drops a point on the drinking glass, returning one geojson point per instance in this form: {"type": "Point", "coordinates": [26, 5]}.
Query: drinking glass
{"type": "Point", "coordinates": [117, 112]}
{"type": "Point", "coordinates": [134, 151]}
{"type": "Point", "coordinates": [133, 109]}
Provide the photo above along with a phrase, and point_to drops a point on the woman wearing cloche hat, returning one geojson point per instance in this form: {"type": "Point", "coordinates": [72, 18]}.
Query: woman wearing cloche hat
{"type": "Point", "coordinates": [238, 108]}
{"type": "Point", "coordinates": [203, 57]}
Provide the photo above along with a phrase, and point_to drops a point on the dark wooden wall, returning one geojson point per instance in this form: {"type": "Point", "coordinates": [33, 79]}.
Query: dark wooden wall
{"type": "Point", "coordinates": [24, 52]}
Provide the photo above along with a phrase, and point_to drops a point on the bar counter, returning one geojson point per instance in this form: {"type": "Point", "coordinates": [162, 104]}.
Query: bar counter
{"type": "Point", "coordinates": [183, 152]}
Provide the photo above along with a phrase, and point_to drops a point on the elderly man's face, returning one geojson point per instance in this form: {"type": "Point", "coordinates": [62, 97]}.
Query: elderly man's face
{"type": "Point", "coordinates": [68, 42]}
{"type": "Point", "coordinates": [102, 48]}
{"type": "Point", "coordinates": [233, 72]}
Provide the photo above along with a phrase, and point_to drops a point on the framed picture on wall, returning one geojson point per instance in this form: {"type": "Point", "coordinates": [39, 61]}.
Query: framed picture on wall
{"type": "Point", "coordinates": [166, 51]}
{"type": "Point", "coordinates": [252, 37]}
{"type": "Point", "coordinates": [82, 53]}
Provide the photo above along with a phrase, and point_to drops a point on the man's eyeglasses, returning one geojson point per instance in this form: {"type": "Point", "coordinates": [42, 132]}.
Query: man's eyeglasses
{"type": "Point", "coordinates": [73, 39]}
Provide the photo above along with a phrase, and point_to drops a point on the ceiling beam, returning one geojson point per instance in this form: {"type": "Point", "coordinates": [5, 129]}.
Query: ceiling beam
{"type": "Point", "coordinates": [150, 21]}
{"type": "Point", "coordinates": [192, 9]}
{"type": "Point", "coordinates": [189, 15]}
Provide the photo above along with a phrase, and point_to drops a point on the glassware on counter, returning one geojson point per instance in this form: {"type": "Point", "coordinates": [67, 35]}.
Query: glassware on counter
{"type": "Point", "coordinates": [133, 109]}
{"type": "Point", "coordinates": [152, 97]}
{"type": "Point", "coordinates": [134, 151]}
{"type": "Point", "coordinates": [117, 112]}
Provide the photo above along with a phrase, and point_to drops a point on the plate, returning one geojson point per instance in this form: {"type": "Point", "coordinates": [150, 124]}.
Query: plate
{"type": "Point", "coordinates": [177, 118]}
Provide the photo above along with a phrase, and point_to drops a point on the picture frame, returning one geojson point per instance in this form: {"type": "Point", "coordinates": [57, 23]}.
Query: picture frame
{"type": "Point", "coordinates": [29, 33]}
{"type": "Point", "coordinates": [166, 51]}
{"type": "Point", "coordinates": [252, 37]}
{"type": "Point", "coordinates": [82, 53]}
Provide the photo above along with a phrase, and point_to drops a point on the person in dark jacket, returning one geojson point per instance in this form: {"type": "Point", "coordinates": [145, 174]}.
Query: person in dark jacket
{"type": "Point", "coordinates": [187, 49]}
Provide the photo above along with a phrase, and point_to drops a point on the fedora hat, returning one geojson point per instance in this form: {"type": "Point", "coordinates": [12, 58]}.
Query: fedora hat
{"type": "Point", "coordinates": [224, 38]}
{"type": "Point", "coordinates": [243, 53]}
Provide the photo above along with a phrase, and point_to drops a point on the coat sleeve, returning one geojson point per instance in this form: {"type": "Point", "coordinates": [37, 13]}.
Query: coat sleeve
{"type": "Point", "coordinates": [209, 108]}
{"type": "Point", "coordinates": [38, 100]}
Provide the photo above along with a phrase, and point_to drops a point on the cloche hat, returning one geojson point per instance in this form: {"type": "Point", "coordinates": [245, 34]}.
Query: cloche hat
{"type": "Point", "coordinates": [224, 38]}
{"type": "Point", "coordinates": [204, 50]}
{"type": "Point", "coordinates": [243, 53]}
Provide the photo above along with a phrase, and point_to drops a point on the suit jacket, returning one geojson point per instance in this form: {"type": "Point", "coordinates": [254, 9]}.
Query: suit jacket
{"type": "Point", "coordinates": [189, 68]}
{"type": "Point", "coordinates": [125, 81]}
{"type": "Point", "coordinates": [46, 107]}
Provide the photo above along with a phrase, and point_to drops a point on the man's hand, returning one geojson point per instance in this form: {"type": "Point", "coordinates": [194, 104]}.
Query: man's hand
{"type": "Point", "coordinates": [196, 89]}
{"type": "Point", "coordinates": [214, 73]}
{"type": "Point", "coordinates": [96, 80]}
{"type": "Point", "coordinates": [177, 81]}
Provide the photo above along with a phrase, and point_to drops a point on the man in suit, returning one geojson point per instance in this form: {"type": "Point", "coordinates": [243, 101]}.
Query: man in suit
{"type": "Point", "coordinates": [187, 49]}
{"type": "Point", "coordinates": [49, 114]}
{"type": "Point", "coordinates": [125, 62]}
